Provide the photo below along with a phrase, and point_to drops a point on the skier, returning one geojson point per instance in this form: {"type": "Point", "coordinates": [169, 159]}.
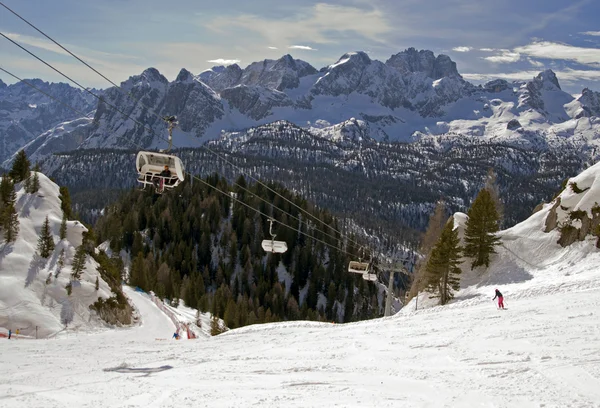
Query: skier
{"type": "Point", "coordinates": [9, 333]}
{"type": "Point", "coordinates": [500, 299]}
{"type": "Point", "coordinates": [175, 336]}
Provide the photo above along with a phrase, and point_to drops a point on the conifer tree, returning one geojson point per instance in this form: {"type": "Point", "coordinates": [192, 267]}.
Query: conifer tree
{"type": "Point", "coordinates": [215, 326]}
{"type": "Point", "coordinates": [45, 241]}
{"type": "Point", "coordinates": [65, 202]}
{"type": "Point", "coordinates": [63, 228]}
{"type": "Point", "coordinates": [481, 227]}
{"type": "Point", "coordinates": [60, 263]}
{"type": "Point", "coordinates": [442, 271]}
{"type": "Point", "coordinates": [491, 184]}
{"type": "Point", "coordinates": [432, 234]}
{"type": "Point", "coordinates": [27, 185]}
{"type": "Point", "coordinates": [35, 183]}
{"type": "Point", "coordinates": [10, 219]}
{"type": "Point", "coordinates": [79, 262]}
{"type": "Point", "coordinates": [21, 167]}
{"type": "Point", "coordinates": [97, 285]}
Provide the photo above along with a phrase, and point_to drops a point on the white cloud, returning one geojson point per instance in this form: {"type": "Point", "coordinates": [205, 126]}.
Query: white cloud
{"type": "Point", "coordinates": [568, 75]}
{"type": "Point", "coordinates": [550, 50]}
{"type": "Point", "coordinates": [535, 63]}
{"type": "Point", "coordinates": [462, 49]}
{"type": "Point", "coordinates": [222, 61]}
{"type": "Point", "coordinates": [592, 33]}
{"type": "Point", "coordinates": [488, 49]}
{"type": "Point", "coordinates": [273, 48]}
{"type": "Point", "coordinates": [505, 57]}
{"type": "Point", "coordinates": [36, 42]}
{"type": "Point", "coordinates": [302, 47]}
{"type": "Point", "coordinates": [316, 24]}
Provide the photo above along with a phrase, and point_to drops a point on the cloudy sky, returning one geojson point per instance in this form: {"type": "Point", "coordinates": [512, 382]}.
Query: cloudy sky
{"type": "Point", "coordinates": [513, 39]}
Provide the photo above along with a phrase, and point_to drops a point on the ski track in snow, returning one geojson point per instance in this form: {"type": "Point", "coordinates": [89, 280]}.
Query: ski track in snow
{"type": "Point", "coordinates": [543, 351]}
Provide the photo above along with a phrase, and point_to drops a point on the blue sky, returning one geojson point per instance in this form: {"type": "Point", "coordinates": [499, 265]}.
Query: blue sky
{"type": "Point", "coordinates": [487, 38]}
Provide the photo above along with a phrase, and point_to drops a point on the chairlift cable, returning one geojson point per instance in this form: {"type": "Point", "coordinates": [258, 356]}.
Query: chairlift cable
{"type": "Point", "coordinates": [160, 117]}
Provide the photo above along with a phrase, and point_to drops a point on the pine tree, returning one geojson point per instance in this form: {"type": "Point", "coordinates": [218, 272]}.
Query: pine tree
{"type": "Point", "coordinates": [61, 262]}
{"type": "Point", "coordinates": [45, 241]}
{"type": "Point", "coordinates": [97, 285]}
{"type": "Point", "coordinates": [215, 326]}
{"type": "Point", "coordinates": [35, 183]}
{"type": "Point", "coordinates": [65, 202]}
{"type": "Point", "coordinates": [63, 228]}
{"type": "Point", "coordinates": [434, 229]}
{"type": "Point", "coordinates": [442, 271]}
{"type": "Point", "coordinates": [27, 184]}
{"type": "Point", "coordinates": [10, 218]}
{"type": "Point", "coordinates": [79, 262]}
{"type": "Point", "coordinates": [481, 227]}
{"type": "Point", "coordinates": [21, 167]}
{"type": "Point", "coordinates": [491, 184]}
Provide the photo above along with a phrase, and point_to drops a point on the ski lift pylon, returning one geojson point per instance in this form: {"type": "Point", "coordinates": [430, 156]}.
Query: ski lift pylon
{"type": "Point", "coordinates": [270, 245]}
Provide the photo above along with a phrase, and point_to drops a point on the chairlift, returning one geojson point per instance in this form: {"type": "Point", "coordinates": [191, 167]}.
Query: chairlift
{"type": "Point", "coordinates": [372, 277]}
{"type": "Point", "coordinates": [358, 267]}
{"type": "Point", "coordinates": [160, 169]}
{"type": "Point", "coordinates": [270, 245]}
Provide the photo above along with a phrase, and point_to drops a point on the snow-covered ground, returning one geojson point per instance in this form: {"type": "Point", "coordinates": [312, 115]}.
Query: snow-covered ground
{"type": "Point", "coordinates": [543, 351]}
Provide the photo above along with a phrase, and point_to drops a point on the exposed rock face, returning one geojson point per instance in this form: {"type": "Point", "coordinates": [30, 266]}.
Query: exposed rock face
{"type": "Point", "coordinates": [590, 103]}
{"type": "Point", "coordinates": [533, 98]}
{"type": "Point", "coordinates": [552, 218]}
{"type": "Point", "coordinates": [412, 61]}
{"type": "Point", "coordinates": [219, 78]}
{"type": "Point", "coordinates": [497, 85]}
{"type": "Point", "coordinates": [513, 124]}
{"type": "Point", "coordinates": [284, 73]}
{"type": "Point", "coordinates": [254, 101]}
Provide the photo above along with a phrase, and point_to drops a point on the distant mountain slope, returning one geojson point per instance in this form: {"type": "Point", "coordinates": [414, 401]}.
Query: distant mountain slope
{"type": "Point", "coordinates": [411, 95]}
{"type": "Point", "coordinates": [25, 113]}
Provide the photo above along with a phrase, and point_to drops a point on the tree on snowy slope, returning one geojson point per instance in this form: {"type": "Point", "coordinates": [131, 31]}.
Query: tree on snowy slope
{"type": "Point", "coordinates": [442, 271]}
{"type": "Point", "coordinates": [434, 229]}
{"type": "Point", "coordinates": [45, 241]}
{"type": "Point", "coordinates": [78, 262]}
{"type": "Point", "coordinates": [62, 234]}
{"type": "Point", "coordinates": [8, 213]}
{"type": "Point", "coordinates": [34, 185]}
{"type": "Point", "coordinates": [21, 167]}
{"type": "Point", "coordinates": [481, 228]}
{"type": "Point", "coordinates": [491, 185]}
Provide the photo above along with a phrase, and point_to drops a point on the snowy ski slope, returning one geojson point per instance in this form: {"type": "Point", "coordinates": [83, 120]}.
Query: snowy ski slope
{"type": "Point", "coordinates": [543, 351]}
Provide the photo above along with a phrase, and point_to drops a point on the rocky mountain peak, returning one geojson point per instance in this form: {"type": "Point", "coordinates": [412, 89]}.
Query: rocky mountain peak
{"type": "Point", "coordinates": [547, 79]}
{"type": "Point", "coordinates": [352, 59]}
{"type": "Point", "coordinates": [412, 61]}
{"type": "Point", "coordinates": [590, 102]}
{"type": "Point", "coordinates": [3, 85]}
{"type": "Point", "coordinates": [184, 76]}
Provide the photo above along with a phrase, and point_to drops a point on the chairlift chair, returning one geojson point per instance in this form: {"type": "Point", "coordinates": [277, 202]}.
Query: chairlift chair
{"type": "Point", "coordinates": [372, 277]}
{"type": "Point", "coordinates": [358, 267]}
{"type": "Point", "coordinates": [270, 245]}
{"type": "Point", "coordinates": [150, 164]}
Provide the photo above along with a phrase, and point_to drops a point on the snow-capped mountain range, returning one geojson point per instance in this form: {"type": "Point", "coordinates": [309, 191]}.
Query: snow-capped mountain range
{"type": "Point", "coordinates": [412, 94]}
